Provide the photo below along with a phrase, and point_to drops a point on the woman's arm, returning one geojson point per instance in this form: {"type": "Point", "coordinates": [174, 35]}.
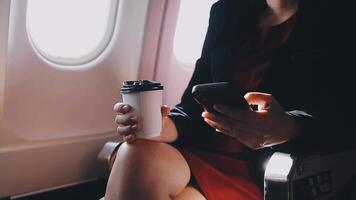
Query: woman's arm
{"type": "Point", "coordinates": [187, 114]}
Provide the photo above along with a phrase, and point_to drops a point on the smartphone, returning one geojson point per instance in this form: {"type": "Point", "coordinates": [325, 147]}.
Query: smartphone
{"type": "Point", "coordinates": [209, 94]}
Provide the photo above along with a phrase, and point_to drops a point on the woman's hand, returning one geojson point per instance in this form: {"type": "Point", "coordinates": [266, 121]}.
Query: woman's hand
{"type": "Point", "coordinates": [129, 123]}
{"type": "Point", "coordinates": [269, 125]}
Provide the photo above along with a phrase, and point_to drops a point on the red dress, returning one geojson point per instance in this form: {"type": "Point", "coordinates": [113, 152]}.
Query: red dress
{"type": "Point", "coordinates": [219, 175]}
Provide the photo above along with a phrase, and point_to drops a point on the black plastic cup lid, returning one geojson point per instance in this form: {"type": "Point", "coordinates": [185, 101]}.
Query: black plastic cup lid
{"type": "Point", "coordinates": [140, 86]}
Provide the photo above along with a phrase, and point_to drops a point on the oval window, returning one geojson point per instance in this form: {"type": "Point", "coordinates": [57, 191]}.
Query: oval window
{"type": "Point", "coordinates": [191, 28]}
{"type": "Point", "coordinates": [69, 32]}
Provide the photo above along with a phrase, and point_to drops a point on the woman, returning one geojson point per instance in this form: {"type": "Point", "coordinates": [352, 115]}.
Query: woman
{"type": "Point", "coordinates": [280, 50]}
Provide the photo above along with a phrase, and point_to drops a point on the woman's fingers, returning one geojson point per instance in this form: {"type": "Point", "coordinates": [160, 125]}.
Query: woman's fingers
{"type": "Point", "coordinates": [228, 123]}
{"type": "Point", "coordinates": [237, 114]}
{"type": "Point", "coordinates": [263, 101]}
{"type": "Point", "coordinates": [246, 133]}
{"type": "Point", "coordinates": [126, 130]}
{"type": "Point", "coordinates": [128, 123]}
{"type": "Point", "coordinates": [127, 119]}
{"type": "Point", "coordinates": [244, 137]}
{"type": "Point", "coordinates": [267, 126]}
{"type": "Point", "coordinates": [122, 108]}
{"type": "Point", "coordinates": [129, 138]}
{"type": "Point", "coordinates": [223, 122]}
{"type": "Point", "coordinates": [122, 120]}
{"type": "Point", "coordinates": [217, 126]}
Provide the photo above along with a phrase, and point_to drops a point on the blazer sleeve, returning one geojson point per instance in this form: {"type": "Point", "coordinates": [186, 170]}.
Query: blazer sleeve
{"type": "Point", "coordinates": [192, 130]}
{"type": "Point", "coordinates": [328, 127]}
{"type": "Point", "coordinates": [326, 123]}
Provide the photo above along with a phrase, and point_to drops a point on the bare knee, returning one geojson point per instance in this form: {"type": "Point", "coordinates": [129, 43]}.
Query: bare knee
{"type": "Point", "coordinates": [147, 168]}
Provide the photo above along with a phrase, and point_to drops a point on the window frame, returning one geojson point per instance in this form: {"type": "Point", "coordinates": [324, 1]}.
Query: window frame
{"type": "Point", "coordinates": [89, 57]}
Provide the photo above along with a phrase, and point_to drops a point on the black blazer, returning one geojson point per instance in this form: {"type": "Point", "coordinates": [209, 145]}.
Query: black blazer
{"type": "Point", "coordinates": [308, 75]}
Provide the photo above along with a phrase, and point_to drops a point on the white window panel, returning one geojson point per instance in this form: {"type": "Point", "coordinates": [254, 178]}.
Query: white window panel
{"type": "Point", "coordinates": [70, 32]}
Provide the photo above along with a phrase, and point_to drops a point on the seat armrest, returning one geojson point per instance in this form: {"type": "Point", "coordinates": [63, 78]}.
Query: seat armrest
{"type": "Point", "coordinates": [309, 177]}
{"type": "Point", "coordinates": [106, 156]}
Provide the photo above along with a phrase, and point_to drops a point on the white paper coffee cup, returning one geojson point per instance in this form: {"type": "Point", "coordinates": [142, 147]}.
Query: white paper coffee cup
{"type": "Point", "coordinates": [145, 97]}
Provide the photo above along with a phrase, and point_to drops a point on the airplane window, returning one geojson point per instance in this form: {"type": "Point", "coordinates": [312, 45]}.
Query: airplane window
{"type": "Point", "coordinates": [191, 28]}
{"type": "Point", "coordinates": [69, 32]}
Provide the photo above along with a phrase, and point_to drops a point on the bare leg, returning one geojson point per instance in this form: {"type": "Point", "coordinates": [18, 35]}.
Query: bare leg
{"type": "Point", "coordinates": [147, 170]}
{"type": "Point", "coordinates": [191, 193]}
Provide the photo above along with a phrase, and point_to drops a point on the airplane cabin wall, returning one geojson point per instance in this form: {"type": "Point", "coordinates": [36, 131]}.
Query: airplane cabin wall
{"type": "Point", "coordinates": [55, 119]}
{"type": "Point", "coordinates": [173, 74]}
{"type": "Point", "coordinates": [183, 32]}
{"type": "Point", "coordinates": [4, 22]}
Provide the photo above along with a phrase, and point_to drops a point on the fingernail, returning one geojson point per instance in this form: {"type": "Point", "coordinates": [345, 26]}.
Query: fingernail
{"type": "Point", "coordinates": [204, 114]}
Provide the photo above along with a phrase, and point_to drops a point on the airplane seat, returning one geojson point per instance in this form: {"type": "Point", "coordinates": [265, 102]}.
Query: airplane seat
{"type": "Point", "coordinates": [106, 156]}
{"type": "Point", "coordinates": [329, 176]}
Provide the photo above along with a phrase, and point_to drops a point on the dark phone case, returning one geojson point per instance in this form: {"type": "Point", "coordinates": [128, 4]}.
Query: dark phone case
{"type": "Point", "coordinates": [224, 93]}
